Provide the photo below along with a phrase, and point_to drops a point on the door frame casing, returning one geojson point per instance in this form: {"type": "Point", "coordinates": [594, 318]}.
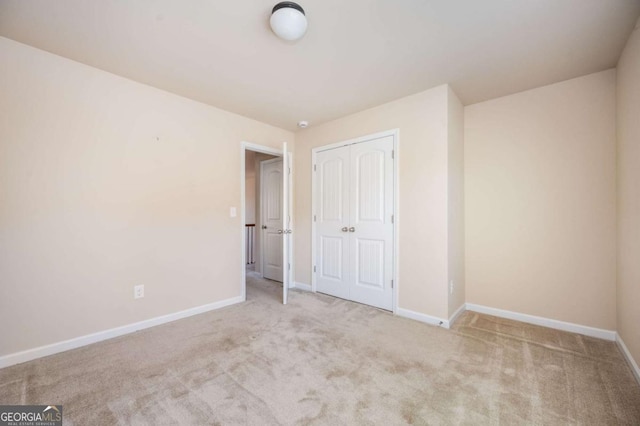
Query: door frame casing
{"type": "Point", "coordinates": [249, 146]}
{"type": "Point", "coordinates": [395, 133]}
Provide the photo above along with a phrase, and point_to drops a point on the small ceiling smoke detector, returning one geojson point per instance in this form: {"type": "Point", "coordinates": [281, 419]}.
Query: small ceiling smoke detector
{"type": "Point", "coordinates": [303, 124]}
{"type": "Point", "coordinates": [288, 20]}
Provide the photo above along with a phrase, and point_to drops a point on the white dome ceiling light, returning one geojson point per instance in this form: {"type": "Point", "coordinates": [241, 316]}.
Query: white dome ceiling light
{"type": "Point", "coordinates": [288, 20]}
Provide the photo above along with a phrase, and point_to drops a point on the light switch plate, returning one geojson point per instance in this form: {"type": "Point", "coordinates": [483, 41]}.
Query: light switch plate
{"type": "Point", "coordinates": [233, 212]}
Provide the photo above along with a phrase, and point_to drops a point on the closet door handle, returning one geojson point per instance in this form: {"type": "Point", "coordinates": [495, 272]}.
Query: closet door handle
{"type": "Point", "coordinates": [345, 229]}
{"type": "Point", "coordinates": [352, 229]}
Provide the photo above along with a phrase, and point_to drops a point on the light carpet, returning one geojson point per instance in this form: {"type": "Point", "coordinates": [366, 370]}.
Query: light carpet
{"type": "Point", "coordinates": [325, 361]}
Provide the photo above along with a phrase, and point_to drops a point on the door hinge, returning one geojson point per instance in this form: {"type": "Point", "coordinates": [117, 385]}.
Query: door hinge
{"type": "Point", "coordinates": [391, 283]}
{"type": "Point", "coordinates": [289, 170]}
{"type": "Point", "coordinates": [314, 217]}
{"type": "Point", "coordinates": [391, 218]}
{"type": "Point", "coordinates": [314, 167]}
{"type": "Point", "coordinates": [289, 266]}
{"type": "Point", "coordinates": [314, 268]}
{"type": "Point", "coordinates": [393, 153]}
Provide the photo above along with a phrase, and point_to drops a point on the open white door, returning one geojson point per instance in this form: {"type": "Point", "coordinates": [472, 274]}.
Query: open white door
{"type": "Point", "coordinates": [286, 219]}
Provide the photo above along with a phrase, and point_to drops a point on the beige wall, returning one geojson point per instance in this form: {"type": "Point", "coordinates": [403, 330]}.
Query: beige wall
{"type": "Point", "coordinates": [456, 202]}
{"type": "Point", "coordinates": [540, 201]}
{"type": "Point", "coordinates": [628, 104]}
{"type": "Point", "coordinates": [423, 262]}
{"type": "Point", "coordinates": [105, 184]}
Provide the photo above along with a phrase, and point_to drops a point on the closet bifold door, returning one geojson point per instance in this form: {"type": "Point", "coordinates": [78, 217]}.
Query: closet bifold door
{"type": "Point", "coordinates": [370, 222]}
{"type": "Point", "coordinates": [354, 225]}
{"type": "Point", "coordinates": [332, 222]}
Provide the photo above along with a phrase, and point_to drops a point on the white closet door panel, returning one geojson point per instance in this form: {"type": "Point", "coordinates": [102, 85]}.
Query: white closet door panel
{"type": "Point", "coordinates": [332, 253]}
{"type": "Point", "coordinates": [370, 263]}
{"type": "Point", "coordinates": [371, 208]}
{"type": "Point", "coordinates": [332, 216]}
{"type": "Point", "coordinates": [369, 187]}
{"type": "Point", "coordinates": [332, 190]}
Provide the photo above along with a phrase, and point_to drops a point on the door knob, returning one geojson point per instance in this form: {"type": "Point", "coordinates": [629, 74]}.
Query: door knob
{"type": "Point", "coordinates": [280, 231]}
{"type": "Point", "coordinates": [352, 229]}
{"type": "Point", "coordinates": [264, 226]}
{"type": "Point", "coordinates": [288, 231]}
{"type": "Point", "coordinates": [345, 229]}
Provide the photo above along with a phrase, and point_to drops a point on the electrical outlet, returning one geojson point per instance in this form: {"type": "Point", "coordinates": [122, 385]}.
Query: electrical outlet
{"type": "Point", "coordinates": [138, 291]}
{"type": "Point", "coordinates": [451, 287]}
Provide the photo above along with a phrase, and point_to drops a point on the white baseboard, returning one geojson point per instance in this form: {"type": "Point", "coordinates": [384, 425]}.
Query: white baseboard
{"type": "Point", "coordinates": [54, 348]}
{"type": "Point", "coordinates": [545, 322]}
{"type": "Point", "coordinates": [627, 354]}
{"type": "Point", "coordinates": [457, 313]}
{"type": "Point", "coordinates": [422, 317]}
{"type": "Point", "coordinates": [302, 286]}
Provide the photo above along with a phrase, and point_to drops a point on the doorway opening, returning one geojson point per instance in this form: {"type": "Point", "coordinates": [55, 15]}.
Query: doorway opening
{"type": "Point", "coordinates": [265, 213]}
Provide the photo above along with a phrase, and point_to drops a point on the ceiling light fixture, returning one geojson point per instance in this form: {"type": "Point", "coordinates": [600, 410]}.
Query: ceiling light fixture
{"type": "Point", "coordinates": [288, 20]}
{"type": "Point", "coordinates": [303, 124]}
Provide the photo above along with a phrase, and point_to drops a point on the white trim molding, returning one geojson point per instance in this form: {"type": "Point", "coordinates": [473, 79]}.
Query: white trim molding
{"type": "Point", "coordinates": [544, 322]}
{"type": "Point", "coordinates": [629, 357]}
{"type": "Point", "coordinates": [417, 316]}
{"type": "Point", "coordinates": [302, 286]}
{"type": "Point", "coordinates": [457, 313]}
{"type": "Point", "coordinates": [54, 348]}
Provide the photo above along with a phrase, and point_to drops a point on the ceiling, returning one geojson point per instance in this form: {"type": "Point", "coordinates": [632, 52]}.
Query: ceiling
{"type": "Point", "coordinates": [356, 54]}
